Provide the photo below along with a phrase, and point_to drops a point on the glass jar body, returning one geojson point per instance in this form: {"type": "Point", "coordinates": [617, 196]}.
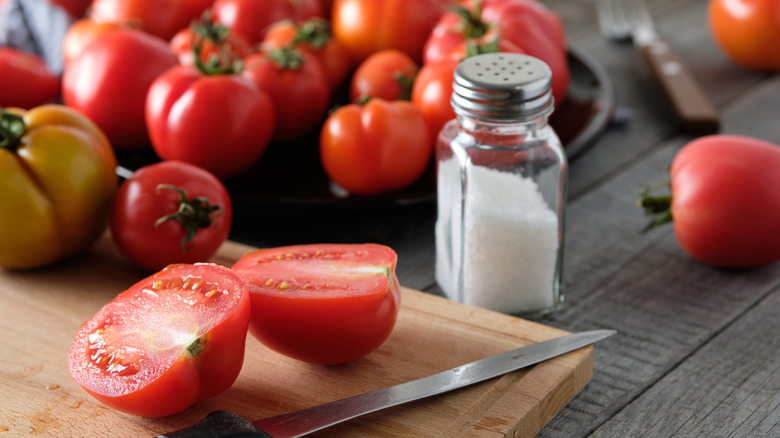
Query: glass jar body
{"type": "Point", "coordinates": [501, 208]}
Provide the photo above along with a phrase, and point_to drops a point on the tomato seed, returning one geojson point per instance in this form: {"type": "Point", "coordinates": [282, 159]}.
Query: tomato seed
{"type": "Point", "coordinates": [269, 282]}
{"type": "Point", "coordinates": [283, 285]}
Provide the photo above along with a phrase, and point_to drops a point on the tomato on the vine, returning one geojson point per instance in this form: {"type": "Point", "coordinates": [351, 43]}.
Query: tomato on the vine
{"type": "Point", "coordinates": [169, 341]}
{"type": "Point", "coordinates": [27, 81]}
{"type": "Point", "coordinates": [387, 74]}
{"type": "Point", "coordinates": [251, 18]}
{"type": "Point", "coordinates": [747, 31]}
{"type": "Point", "coordinates": [322, 303]}
{"type": "Point", "coordinates": [170, 212]}
{"type": "Point", "coordinates": [378, 147]}
{"type": "Point", "coordinates": [109, 80]}
{"type": "Point", "coordinates": [724, 202]}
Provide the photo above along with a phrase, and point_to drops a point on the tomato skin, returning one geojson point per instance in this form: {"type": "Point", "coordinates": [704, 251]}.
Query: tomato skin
{"type": "Point", "coordinates": [747, 31]}
{"type": "Point", "coordinates": [432, 92]}
{"type": "Point", "coordinates": [300, 94]}
{"type": "Point", "coordinates": [187, 113]}
{"type": "Point", "coordinates": [62, 176]}
{"type": "Point", "coordinates": [81, 34]}
{"type": "Point", "coordinates": [75, 8]}
{"type": "Point", "coordinates": [725, 200]}
{"type": "Point", "coordinates": [139, 203]}
{"type": "Point", "coordinates": [368, 26]}
{"type": "Point", "coordinates": [162, 18]}
{"type": "Point", "coordinates": [109, 80]}
{"type": "Point", "coordinates": [295, 314]}
{"type": "Point", "coordinates": [27, 81]}
{"type": "Point", "coordinates": [251, 18]}
{"type": "Point", "coordinates": [376, 148]}
{"type": "Point", "coordinates": [166, 380]}
{"type": "Point", "coordinates": [387, 74]}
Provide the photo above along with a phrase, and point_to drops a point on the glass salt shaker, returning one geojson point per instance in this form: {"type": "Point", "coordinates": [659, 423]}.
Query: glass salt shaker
{"type": "Point", "coordinates": [501, 177]}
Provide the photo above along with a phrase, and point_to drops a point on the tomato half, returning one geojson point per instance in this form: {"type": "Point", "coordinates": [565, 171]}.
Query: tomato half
{"type": "Point", "coordinates": [169, 341]}
{"type": "Point", "coordinates": [322, 303]}
{"type": "Point", "coordinates": [27, 81]}
{"type": "Point", "coordinates": [170, 212]}
{"type": "Point", "coordinates": [748, 31]}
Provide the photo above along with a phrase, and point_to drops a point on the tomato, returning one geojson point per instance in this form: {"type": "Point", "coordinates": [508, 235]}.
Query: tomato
{"type": "Point", "coordinates": [322, 303]}
{"type": "Point", "coordinates": [109, 80]}
{"type": "Point", "coordinates": [312, 36]}
{"type": "Point", "coordinates": [387, 74]}
{"type": "Point", "coordinates": [57, 180]}
{"type": "Point", "coordinates": [162, 18]}
{"type": "Point", "coordinates": [378, 147]}
{"type": "Point", "coordinates": [170, 212]}
{"type": "Point", "coordinates": [521, 26]}
{"type": "Point", "coordinates": [27, 82]}
{"type": "Point", "coordinates": [75, 8]}
{"type": "Point", "coordinates": [167, 342]}
{"type": "Point", "coordinates": [747, 31]}
{"type": "Point", "coordinates": [368, 26]}
{"type": "Point", "coordinates": [298, 87]}
{"type": "Point", "coordinates": [82, 33]}
{"type": "Point", "coordinates": [227, 45]}
{"type": "Point", "coordinates": [725, 203]}
{"type": "Point", "coordinates": [432, 91]}
{"type": "Point", "coordinates": [251, 18]}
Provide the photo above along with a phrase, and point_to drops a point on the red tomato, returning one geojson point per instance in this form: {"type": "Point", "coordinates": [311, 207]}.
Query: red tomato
{"type": "Point", "coordinates": [314, 37]}
{"type": "Point", "coordinates": [162, 18]}
{"type": "Point", "coordinates": [323, 303]}
{"type": "Point", "coordinates": [230, 45]}
{"type": "Point", "coordinates": [76, 8]}
{"type": "Point", "coordinates": [748, 31]}
{"type": "Point", "coordinates": [81, 34]}
{"type": "Point", "coordinates": [109, 80]}
{"type": "Point", "coordinates": [169, 341]}
{"type": "Point", "coordinates": [297, 85]}
{"type": "Point", "coordinates": [251, 18]}
{"type": "Point", "coordinates": [521, 26]}
{"type": "Point", "coordinates": [222, 123]}
{"type": "Point", "coordinates": [432, 92]}
{"type": "Point", "coordinates": [379, 147]}
{"type": "Point", "coordinates": [725, 202]}
{"type": "Point", "coordinates": [368, 26]}
{"type": "Point", "coordinates": [27, 82]}
{"type": "Point", "coordinates": [170, 212]}
{"type": "Point", "coordinates": [387, 74]}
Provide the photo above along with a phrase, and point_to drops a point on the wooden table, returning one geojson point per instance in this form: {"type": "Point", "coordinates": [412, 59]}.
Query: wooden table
{"type": "Point", "coordinates": [698, 350]}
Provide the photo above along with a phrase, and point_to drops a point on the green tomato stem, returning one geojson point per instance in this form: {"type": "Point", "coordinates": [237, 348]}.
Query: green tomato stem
{"type": "Point", "coordinates": [193, 214]}
{"type": "Point", "coordinates": [657, 208]}
{"type": "Point", "coordinates": [12, 128]}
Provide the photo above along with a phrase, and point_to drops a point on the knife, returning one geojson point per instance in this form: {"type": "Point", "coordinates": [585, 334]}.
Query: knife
{"type": "Point", "coordinates": [224, 424]}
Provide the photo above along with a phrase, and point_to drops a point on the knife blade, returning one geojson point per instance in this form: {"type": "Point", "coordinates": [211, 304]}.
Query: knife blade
{"type": "Point", "coordinates": [305, 421]}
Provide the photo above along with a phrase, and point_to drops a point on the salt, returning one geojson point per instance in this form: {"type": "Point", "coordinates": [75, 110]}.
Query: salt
{"type": "Point", "coordinates": [510, 236]}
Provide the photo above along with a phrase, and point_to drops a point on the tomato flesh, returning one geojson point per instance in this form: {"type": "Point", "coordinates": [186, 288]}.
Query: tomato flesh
{"type": "Point", "coordinates": [324, 304]}
{"type": "Point", "coordinates": [174, 338]}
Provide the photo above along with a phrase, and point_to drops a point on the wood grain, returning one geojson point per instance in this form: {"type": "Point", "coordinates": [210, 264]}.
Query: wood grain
{"type": "Point", "coordinates": [42, 310]}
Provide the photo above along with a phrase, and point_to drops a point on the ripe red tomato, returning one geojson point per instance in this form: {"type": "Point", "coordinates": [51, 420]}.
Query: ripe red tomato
{"type": "Point", "coordinates": [298, 87]}
{"type": "Point", "coordinates": [251, 18]}
{"type": "Point", "coordinates": [323, 303]}
{"type": "Point", "coordinates": [748, 31]}
{"type": "Point", "coordinates": [387, 74]}
{"type": "Point", "coordinates": [27, 81]}
{"type": "Point", "coordinates": [169, 341]}
{"type": "Point", "coordinates": [312, 36]}
{"type": "Point", "coordinates": [162, 18]}
{"type": "Point", "coordinates": [432, 92]}
{"type": "Point", "coordinates": [81, 33]}
{"type": "Point", "coordinates": [379, 147]}
{"type": "Point", "coordinates": [229, 44]}
{"type": "Point", "coordinates": [109, 80]}
{"type": "Point", "coordinates": [368, 26]}
{"type": "Point", "coordinates": [170, 212]}
{"type": "Point", "coordinates": [76, 8]}
{"type": "Point", "coordinates": [725, 202]}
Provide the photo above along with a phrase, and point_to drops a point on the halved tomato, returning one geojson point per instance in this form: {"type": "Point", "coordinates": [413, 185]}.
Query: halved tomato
{"type": "Point", "coordinates": [322, 303]}
{"type": "Point", "coordinates": [171, 340]}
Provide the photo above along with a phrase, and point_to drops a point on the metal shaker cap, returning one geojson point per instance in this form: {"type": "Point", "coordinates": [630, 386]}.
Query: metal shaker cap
{"type": "Point", "coordinates": [502, 87]}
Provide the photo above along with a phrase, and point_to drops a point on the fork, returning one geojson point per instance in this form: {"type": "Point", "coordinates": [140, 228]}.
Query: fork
{"type": "Point", "coordinates": [629, 20]}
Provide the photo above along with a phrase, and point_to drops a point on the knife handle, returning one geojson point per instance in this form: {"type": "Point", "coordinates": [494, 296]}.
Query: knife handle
{"type": "Point", "coordinates": [693, 107]}
{"type": "Point", "coordinates": [219, 424]}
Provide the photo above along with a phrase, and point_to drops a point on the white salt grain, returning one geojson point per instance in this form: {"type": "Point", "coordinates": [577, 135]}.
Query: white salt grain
{"type": "Point", "coordinates": [510, 237]}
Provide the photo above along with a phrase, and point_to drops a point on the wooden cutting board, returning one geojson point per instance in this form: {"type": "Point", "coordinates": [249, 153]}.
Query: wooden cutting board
{"type": "Point", "coordinates": [41, 311]}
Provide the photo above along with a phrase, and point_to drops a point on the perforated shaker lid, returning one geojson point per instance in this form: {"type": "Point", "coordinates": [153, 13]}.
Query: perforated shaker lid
{"type": "Point", "coordinates": [502, 86]}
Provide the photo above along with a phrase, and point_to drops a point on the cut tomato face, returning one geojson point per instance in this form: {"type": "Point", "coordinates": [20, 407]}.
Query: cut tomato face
{"type": "Point", "coordinates": [171, 340]}
{"type": "Point", "coordinates": [322, 303]}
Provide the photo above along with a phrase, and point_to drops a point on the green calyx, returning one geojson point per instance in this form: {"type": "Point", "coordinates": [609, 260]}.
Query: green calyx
{"type": "Point", "coordinates": [471, 24]}
{"type": "Point", "coordinates": [287, 58]}
{"type": "Point", "coordinates": [12, 128]}
{"type": "Point", "coordinates": [314, 32]}
{"type": "Point", "coordinates": [196, 347]}
{"type": "Point", "coordinates": [193, 214]}
{"type": "Point", "coordinates": [221, 62]}
{"type": "Point", "coordinates": [657, 208]}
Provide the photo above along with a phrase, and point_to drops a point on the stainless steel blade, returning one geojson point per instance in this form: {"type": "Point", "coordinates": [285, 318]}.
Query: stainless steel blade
{"type": "Point", "coordinates": [302, 422]}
